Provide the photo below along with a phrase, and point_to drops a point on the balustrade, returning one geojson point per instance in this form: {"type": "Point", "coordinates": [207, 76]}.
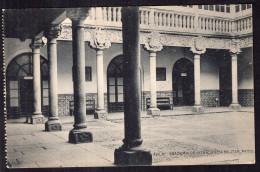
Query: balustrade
{"type": "Point", "coordinates": [158, 19]}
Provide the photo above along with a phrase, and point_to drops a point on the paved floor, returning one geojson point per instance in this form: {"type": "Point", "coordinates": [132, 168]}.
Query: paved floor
{"type": "Point", "coordinates": [176, 138]}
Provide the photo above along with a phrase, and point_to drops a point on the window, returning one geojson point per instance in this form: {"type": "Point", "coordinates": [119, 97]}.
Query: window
{"type": "Point", "coordinates": [88, 73]}
{"type": "Point", "coordinates": [160, 74]}
{"type": "Point", "coordinates": [248, 6]}
{"type": "Point", "coordinates": [200, 6]}
{"type": "Point", "coordinates": [237, 8]}
{"type": "Point", "coordinates": [45, 93]}
{"type": "Point", "coordinates": [243, 7]}
{"type": "Point", "coordinates": [211, 7]}
{"type": "Point", "coordinates": [206, 7]}
{"type": "Point", "coordinates": [222, 8]}
{"type": "Point", "coordinates": [217, 8]}
{"type": "Point", "coordinates": [228, 8]}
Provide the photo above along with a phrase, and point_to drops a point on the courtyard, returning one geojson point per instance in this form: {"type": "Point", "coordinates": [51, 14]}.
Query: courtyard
{"type": "Point", "coordinates": [178, 137]}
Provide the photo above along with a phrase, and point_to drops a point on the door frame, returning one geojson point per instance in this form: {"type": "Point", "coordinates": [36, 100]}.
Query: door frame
{"type": "Point", "coordinates": [176, 71]}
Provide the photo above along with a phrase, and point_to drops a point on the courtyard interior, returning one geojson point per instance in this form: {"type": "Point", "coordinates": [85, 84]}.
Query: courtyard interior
{"type": "Point", "coordinates": [178, 137]}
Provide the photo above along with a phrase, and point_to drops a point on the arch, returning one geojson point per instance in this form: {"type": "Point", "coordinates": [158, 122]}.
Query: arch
{"type": "Point", "coordinates": [183, 82]}
{"type": "Point", "coordinates": [115, 96]}
{"type": "Point", "coordinates": [19, 74]}
{"type": "Point", "coordinates": [17, 53]}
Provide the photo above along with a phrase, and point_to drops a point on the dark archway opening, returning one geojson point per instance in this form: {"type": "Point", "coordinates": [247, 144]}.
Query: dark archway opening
{"type": "Point", "coordinates": [183, 83]}
{"type": "Point", "coordinates": [225, 79]}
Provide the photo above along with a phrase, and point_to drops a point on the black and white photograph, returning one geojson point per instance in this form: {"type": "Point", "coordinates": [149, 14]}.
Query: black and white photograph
{"type": "Point", "coordinates": [129, 86]}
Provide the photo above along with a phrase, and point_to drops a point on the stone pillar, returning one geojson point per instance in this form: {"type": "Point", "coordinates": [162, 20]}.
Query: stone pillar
{"type": "Point", "coordinates": [197, 49]}
{"type": "Point", "coordinates": [52, 33]}
{"type": "Point", "coordinates": [37, 117]}
{"type": "Point", "coordinates": [153, 45]}
{"type": "Point", "coordinates": [235, 106]}
{"type": "Point", "coordinates": [132, 152]}
{"type": "Point", "coordinates": [79, 133]}
{"type": "Point", "coordinates": [100, 42]}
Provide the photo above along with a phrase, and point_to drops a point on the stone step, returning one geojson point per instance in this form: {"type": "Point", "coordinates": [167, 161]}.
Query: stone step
{"type": "Point", "coordinates": [182, 107]}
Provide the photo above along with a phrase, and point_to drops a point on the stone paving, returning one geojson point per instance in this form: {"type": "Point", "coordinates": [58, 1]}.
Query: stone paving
{"type": "Point", "coordinates": [218, 136]}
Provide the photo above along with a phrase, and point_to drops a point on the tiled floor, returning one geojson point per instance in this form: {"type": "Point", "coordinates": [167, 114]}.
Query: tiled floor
{"type": "Point", "coordinates": [176, 138]}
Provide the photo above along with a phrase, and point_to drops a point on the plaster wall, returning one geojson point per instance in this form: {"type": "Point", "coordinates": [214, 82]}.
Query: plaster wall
{"type": "Point", "coordinates": [14, 47]}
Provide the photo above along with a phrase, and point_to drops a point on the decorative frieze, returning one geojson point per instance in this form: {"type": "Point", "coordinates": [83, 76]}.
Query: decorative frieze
{"type": "Point", "coordinates": [246, 42]}
{"type": "Point", "coordinates": [100, 39]}
{"type": "Point", "coordinates": [198, 45]}
{"type": "Point", "coordinates": [234, 47]}
{"type": "Point", "coordinates": [166, 39]}
{"type": "Point", "coordinates": [153, 42]}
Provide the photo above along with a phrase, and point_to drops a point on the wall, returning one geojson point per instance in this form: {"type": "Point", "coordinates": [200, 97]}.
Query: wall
{"type": "Point", "coordinates": [14, 47]}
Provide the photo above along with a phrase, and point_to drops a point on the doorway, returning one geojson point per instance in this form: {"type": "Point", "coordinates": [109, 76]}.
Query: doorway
{"type": "Point", "coordinates": [115, 85]}
{"type": "Point", "coordinates": [225, 79]}
{"type": "Point", "coordinates": [26, 97]}
{"type": "Point", "coordinates": [183, 83]}
{"type": "Point", "coordinates": [20, 86]}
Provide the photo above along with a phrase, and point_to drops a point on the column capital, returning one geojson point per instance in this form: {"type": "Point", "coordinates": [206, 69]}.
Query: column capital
{"type": "Point", "coordinates": [77, 14]}
{"type": "Point", "coordinates": [53, 31]}
{"type": "Point", "coordinates": [100, 39]}
{"type": "Point", "coordinates": [153, 43]}
{"type": "Point", "coordinates": [38, 43]}
{"type": "Point", "coordinates": [198, 46]}
{"type": "Point", "coordinates": [235, 48]}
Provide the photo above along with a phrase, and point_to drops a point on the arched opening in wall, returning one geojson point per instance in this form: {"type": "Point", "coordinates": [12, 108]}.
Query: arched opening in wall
{"type": "Point", "coordinates": [225, 79]}
{"type": "Point", "coordinates": [183, 82]}
{"type": "Point", "coordinates": [115, 93]}
{"type": "Point", "coordinates": [19, 82]}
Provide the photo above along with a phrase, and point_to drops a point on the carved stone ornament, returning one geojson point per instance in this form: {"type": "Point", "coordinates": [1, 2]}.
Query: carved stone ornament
{"type": "Point", "coordinates": [38, 43]}
{"type": "Point", "coordinates": [100, 39]}
{"type": "Point", "coordinates": [53, 31]}
{"type": "Point", "coordinates": [153, 42]}
{"type": "Point", "coordinates": [198, 45]}
{"type": "Point", "coordinates": [235, 48]}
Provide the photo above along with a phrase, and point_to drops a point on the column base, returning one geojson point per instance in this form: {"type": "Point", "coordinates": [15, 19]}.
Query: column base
{"type": "Point", "coordinates": [198, 109]}
{"type": "Point", "coordinates": [132, 156]}
{"type": "Point", "coordinates": [235, 107]}
{"type": "Point", "coordinates": [53, 125]}
{"type": "Point", "coordinates": [100, 114]}
{"type": "Point", "coordinates": [36, 119]}
{"type": "Point", "coordinates": [153, 112]}
{"type": "Point", "coordinates": [80, 136]}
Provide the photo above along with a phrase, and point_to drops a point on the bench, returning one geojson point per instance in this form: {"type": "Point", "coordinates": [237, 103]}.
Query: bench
{"type": "Point", "coordinates": [162, 103]}
{"type": "Point", "coordinates": [90, 107]}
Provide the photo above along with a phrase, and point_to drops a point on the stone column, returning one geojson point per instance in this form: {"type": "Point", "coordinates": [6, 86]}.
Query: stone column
{"type": "Point", "coordinates": [100, 42]}
{"type": "Point", "coordinates": [132, 152]}
{"type": "Point", "coordinates": [153, 45]}
{"type": "Point", "coordinates": [197, 49]}
{"type": "Point", "coordinates": [235, 106]}
{"type": "Point", "coordinates": [37, 117]}
{"type": "Point", "coordinates": [52, 33]}
{"type": "Point", "coordinates": [79, 133]}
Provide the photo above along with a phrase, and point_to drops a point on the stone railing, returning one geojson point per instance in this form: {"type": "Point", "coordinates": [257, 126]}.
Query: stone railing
{"type": "Point", "coordinates": [172, 21]}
